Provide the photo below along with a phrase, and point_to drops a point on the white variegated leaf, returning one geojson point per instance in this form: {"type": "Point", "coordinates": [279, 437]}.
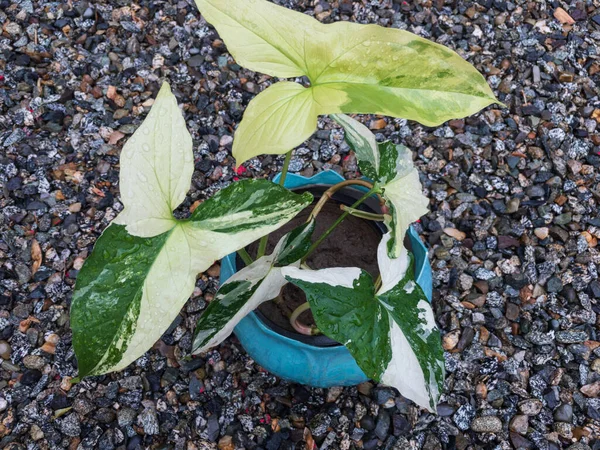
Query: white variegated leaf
{"type": "Point", "coordinates": [242, 293]}
{"type": "Point", "coordinates": [391, 167]}
{"type": "Point", "coordinates": [392, 333]}
{"type": "Point", "coordinates": [131, 288]}
{"type": "Point", "coordinates": [248, 288]}
{"type": "Point", "coordinates": [406, 203]}
{"type": "Point", "coordinates": [157, 164]}
{"type": "Point", "coordinates": [361, 140]}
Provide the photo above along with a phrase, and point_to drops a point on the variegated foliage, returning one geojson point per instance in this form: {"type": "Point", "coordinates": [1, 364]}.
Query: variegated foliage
{"type": "Point", "coordinates": [144, 266]}
{"type": "Point", "coordinates": [352, 68]}
{"type": "Point", "coordinates": [391, 333]}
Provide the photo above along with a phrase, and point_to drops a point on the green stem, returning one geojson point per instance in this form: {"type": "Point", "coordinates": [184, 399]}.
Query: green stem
{"type": "Point", "coordinates": [262, 245]}
{"type": "Point", "coordinates": [362, 214]}
{"type": "Point", "coordinates": [337, 222]}
{"type": "Point", "coordinates": [284, 170]}
{"type": "Point", "coordinates": [378, 283]}
{"type": "Point", "coordinates": [295, 323]}
{"type": "Point", "coordinates": [245, 256]}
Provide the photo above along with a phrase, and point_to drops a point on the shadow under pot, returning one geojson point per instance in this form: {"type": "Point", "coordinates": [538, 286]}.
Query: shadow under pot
{"type": "Point", "coordinates": [267, 334]}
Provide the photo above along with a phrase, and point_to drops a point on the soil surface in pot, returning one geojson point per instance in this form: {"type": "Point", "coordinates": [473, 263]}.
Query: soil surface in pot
{"type": "Point", "coordinates": [352, 244]}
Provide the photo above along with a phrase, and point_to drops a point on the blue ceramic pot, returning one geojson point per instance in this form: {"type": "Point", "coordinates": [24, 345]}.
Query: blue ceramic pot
{"type": "Point", "coordinates": [298, 361]}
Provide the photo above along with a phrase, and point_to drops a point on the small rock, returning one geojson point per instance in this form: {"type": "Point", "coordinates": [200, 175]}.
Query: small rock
{"type": "Point", "coordinates": [564, 413]}
{"type": "Point", "coordinates": [456, 234]}
{"type": "Point", "coordinates": [36, 432]}
{"type": "Point", "coordinates": [563, 429]}
{"type": "Point", "coordinates": [365, 388]}
{"type": "Point", "coordinates": [226, 443]}
{"type": "Point", "coordinates": [126, 416]}
{"type": "Point", "coordinates": [520, 442]}
{"type": "Point", "coordinates": [464, 416]}
{"type": "Point", "coordinates": [563, 17]}
{"type": "Point", "coordinates": [563, 219]}
{"type": "Point", "coordinates": [542, 232]}
{"type": "Point", "coordinates": [531, 407]}
{"type": "Point", "coordinates": [319, 424]}
{"type": "Point", "coordinates": [591, 390]}
{"type": "Point", "coordinates": [519, 424]}
{"type": "Point", "coordinates": [333, 393]}
{"type": "Point", "coordinates": [377, 124]}
{"type": "Point", "coordinates": [5, 350]}
{"type": "Point", "coordinates": [149, 421]}
{"type": "Point", "coordinates": [70, 425]}
{"type": "Point", "coordinates": [486, 424]}
{"type": "Point", "coordinates": [554, 285]}
{"type": "Point", "coordinates": [571, 336]}
{"type": "Point", "coordinates": [450, 340]}
{"type": "Point", "coordinates": [384, 396]}
{"type": "Point", "coordinates": [383, 424]}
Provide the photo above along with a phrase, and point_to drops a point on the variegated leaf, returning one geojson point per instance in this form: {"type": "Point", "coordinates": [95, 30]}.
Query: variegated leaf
{"type": "Point", "coordinates": [362, 141]}
{"type": "Point", "coordinates": [392, 333]}
{"type": "Point", "coordinates": [402, 191]}
{"type": "Point", "coordinates": [395, 174]}
{"type": "Point", "coordinates": [134, 283]}
{"type": "Point", "coordinates": [131, 288]}
{"type": "Point", "coordinates": [352, 68]}
{"type": "Point", "coordinates": [156, 169]}
{"type": "Point", "coordinates": [248, 288]}
{"type": "Point", "coordinates": [275, 120]}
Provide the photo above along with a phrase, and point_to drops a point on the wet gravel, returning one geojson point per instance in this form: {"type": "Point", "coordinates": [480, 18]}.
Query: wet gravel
{"type": "Point", "coordinates": [513, 230]}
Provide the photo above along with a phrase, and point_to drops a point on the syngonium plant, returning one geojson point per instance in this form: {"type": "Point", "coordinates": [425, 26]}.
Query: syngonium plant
{"type": "Point", "coordinates": [144, 266]}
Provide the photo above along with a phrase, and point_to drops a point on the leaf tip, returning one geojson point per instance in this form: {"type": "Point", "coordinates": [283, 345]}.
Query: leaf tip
{"type": "Point", "coordinates": [307, 197]}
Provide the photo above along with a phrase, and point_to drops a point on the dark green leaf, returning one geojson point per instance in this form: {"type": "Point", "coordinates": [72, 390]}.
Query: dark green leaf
{"type": "Point", "coordinates": [295, 244]}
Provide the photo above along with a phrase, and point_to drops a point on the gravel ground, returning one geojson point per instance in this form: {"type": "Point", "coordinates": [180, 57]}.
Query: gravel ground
{"type": "Point", "coordinates": [513, 230]}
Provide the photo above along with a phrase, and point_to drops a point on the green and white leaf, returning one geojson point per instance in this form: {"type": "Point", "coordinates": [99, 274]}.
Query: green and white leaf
{"type": "Point", "coordinates": [131, 288]}
{"type": "Point", "coordinates": [362, 141]}
{"type": "Point", "coordinates": [402, 191]}
{"type": "Point", "coordinates": [352, 68]}
{"type": "Point", "coordinates": [157, 164]}
{"type": "Point", "coordinates": [394, 173]}
{"type": "Point", "coordinates": [248, 288]}
{"type": "Point", "coordinates": [391, 334]}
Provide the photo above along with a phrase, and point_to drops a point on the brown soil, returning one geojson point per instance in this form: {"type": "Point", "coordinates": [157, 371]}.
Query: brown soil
{"type": "Point", "coordinates": [352, 244]}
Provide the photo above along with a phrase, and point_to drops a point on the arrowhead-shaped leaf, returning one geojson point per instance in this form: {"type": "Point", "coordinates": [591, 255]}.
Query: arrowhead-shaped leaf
{"type": "Point", "coordinates": [130, 289]}
{"type": "Point", "coordinates": [259, 36]}
{"type": "Point", "coordinates": [391, 333]}
{"type": "Point", "coordinates": [157, 164]}
{"type": "Point", "coordinates": [247, 289]}
{"type": "Point", "coordinates": [275, 121]}
{"type": "Point", "coordinates": [402, 191]}
{"type": "Point", "coordinates": [134, 283]}
{"type": "Point", "coordinates": [352, 68]}
{"type": "Point", "coordinates": [391, 167]}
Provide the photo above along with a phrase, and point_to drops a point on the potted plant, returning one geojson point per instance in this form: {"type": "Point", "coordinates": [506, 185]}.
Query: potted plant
{"type": "Point", "coordinates": [143, 267]}
{"type": "Point", "coordinates": [311, 359]}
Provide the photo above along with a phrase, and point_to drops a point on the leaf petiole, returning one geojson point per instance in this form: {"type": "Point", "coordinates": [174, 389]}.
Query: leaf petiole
{"type": "Point", "coordinates": [339, 220]}
{"type": "Point", "coordinates": [298, 326]}
{"type": "Point", "coordinates": [362, 214]}
{"type": "Point", "coordinates": [328, 194]}
{"type": "Point", "coordinates": [245, 256]}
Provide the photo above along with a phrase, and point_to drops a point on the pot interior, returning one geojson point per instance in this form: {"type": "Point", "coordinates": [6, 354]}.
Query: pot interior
{"type": "Point", "coordinates": [352, 244]}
